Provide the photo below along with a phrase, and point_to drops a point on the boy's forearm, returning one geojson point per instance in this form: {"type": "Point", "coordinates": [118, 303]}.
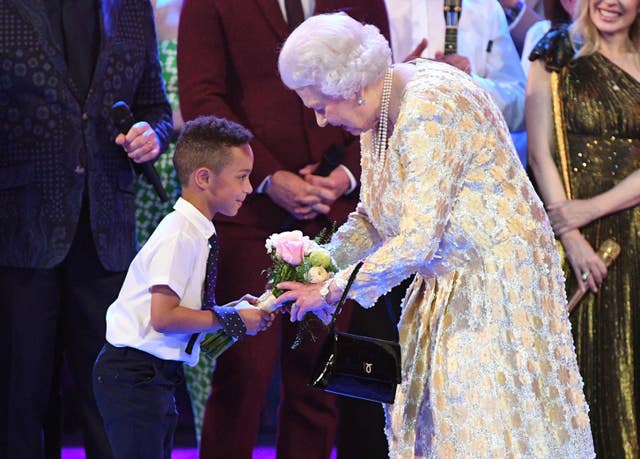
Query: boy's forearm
{"type": "Point", "coordinates": [186, 320]}
{"type": "Point", "coordinates": [168, 316]}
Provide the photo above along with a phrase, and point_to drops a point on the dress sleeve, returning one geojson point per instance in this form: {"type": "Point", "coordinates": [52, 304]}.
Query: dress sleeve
{"type": "Point", "coordinates": [434, 141]}
{"type": "Point", "coordinates": [355, 239]}
{"type": "Point", "coordinates": [554, 48]}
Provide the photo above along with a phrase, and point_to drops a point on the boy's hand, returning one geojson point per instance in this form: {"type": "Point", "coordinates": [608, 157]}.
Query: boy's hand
{"type": "Point", "coordinates": [255, 320]}
{"type": "Point", "coordinates": [251, 299]}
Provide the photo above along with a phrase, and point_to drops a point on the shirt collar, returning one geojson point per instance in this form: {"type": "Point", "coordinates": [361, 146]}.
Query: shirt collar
{"type": "Point", "coordinates": [189, 211]}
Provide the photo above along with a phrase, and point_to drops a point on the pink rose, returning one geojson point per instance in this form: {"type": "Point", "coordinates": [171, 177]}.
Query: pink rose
{"type": "Point", "coordinates": [291, 251]}
{"type": "Point", "coordinates": [289, 246]}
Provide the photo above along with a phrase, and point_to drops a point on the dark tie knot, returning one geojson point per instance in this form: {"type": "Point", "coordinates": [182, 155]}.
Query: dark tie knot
{"type": "Point", "coordinates": [213, 241]}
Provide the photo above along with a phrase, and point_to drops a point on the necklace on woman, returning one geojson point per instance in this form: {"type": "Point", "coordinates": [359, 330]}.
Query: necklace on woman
{"type": "Point", "coordinates": [381, 134]}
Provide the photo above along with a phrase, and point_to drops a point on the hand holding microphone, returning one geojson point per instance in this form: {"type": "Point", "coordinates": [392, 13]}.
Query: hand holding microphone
{"type": "Point", "coordinates": [146, 142]}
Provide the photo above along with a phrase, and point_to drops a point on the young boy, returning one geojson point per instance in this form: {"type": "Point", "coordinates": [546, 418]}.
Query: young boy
{"type": "Point", "coordinates": [152, 325]}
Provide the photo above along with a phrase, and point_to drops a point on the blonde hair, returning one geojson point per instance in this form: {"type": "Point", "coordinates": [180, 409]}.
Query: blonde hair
{"type": "Point", "coordinates": [585, 34]}
{"type": "Point", "coordinates": [335, 54]}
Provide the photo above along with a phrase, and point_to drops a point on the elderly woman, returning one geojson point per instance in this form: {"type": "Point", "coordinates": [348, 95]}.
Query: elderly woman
{"type": "Point", "coordinates": [488, 364]}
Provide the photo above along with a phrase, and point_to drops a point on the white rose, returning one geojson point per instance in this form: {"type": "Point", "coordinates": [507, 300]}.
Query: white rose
{"type": "Point", "coordinates": [317, 274]}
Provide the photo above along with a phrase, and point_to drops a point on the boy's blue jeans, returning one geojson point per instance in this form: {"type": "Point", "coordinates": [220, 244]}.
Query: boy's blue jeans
{"type": "Point", "coordinates": [135, 393]}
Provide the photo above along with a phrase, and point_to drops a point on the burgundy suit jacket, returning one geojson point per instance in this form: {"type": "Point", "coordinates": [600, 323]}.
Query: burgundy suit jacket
{"type": "Point", "coordinates": [227, 66]}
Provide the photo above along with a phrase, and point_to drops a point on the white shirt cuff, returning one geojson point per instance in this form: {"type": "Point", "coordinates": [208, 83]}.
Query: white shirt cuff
{"type": "Point", "coordinates": [353, 183]}
{"type": "Point", "coordinates": [261, 188]}
{"type": "Point", "coordinates": [518, 17]}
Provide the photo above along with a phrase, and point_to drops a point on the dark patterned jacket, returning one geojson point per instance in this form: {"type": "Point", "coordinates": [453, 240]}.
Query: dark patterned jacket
{"type": "Point", "coordinates": [53, 145]}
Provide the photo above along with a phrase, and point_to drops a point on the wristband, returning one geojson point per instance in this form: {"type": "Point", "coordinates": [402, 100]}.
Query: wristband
{"type": "Point", "coordinates": [230, 321]}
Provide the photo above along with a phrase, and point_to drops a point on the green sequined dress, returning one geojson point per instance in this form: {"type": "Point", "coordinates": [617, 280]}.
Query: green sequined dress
{"type": "Point", "coordinates": [602, 119]}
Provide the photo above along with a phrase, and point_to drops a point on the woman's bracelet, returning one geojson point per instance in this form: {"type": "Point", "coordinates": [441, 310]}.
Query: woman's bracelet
{"type": "Point", "coordinates": [325, 290]}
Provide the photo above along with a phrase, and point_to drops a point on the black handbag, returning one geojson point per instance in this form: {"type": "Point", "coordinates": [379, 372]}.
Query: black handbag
{"type": "Point", "coordinates": [357, 366]}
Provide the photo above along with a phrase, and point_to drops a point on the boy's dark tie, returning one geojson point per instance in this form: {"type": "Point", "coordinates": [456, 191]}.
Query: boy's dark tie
{"type": "Point", "coordinates": [211, 274]}
{"type": "Point", "coordinates": [210, 277]}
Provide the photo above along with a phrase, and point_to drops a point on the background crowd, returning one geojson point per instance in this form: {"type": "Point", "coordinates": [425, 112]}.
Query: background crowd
{"type": "Point", "coordinates": [73, 213]}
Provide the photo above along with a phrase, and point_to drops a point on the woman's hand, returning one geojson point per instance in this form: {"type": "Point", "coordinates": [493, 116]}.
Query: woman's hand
{"type": "Point", "coordinates": [587, 266]}
{"type": "Point", "coordinates": [305, 298]}
{"type": "Point", "coordinates": [571, 214]}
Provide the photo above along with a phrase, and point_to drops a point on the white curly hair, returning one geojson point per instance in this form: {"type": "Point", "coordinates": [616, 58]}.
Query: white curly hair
{"type": "Point", "coordinates": [335, 54]}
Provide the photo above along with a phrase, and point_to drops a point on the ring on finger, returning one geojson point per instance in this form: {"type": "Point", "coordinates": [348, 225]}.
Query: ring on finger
{"type": "Point", "coordinates": [585, 276]}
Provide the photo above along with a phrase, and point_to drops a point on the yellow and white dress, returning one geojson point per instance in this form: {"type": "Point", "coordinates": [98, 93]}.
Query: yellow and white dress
{"type": "Point", "coordinates": [488, 363]}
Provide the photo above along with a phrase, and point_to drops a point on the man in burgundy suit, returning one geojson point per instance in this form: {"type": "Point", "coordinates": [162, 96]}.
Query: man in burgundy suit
{"type": "Point", "coordinates": [227, 55]}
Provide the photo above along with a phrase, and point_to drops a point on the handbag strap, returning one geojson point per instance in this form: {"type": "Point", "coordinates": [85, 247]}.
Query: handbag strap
{"type": "Point", "coordinates": [343, 298]}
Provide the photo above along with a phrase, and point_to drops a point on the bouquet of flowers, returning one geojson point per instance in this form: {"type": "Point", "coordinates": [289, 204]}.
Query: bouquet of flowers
{"type": "Point", "coordinates": [295, 257]}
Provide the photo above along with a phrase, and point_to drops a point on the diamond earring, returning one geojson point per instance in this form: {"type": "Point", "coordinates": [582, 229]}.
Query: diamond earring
{"type": "Point", "coordinates": [360, 100]}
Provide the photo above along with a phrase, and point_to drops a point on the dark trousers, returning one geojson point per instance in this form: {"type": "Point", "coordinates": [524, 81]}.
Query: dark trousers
{"type": "Point", "coordinates": [43, 308]}
{"type": "Point", "coordinates": [135, 392]}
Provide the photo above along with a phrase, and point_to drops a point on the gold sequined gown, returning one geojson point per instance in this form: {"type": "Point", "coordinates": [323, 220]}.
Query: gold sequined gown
{"type": "Point", "coordinates": [602, 118]}
{"type": "Point", "coordinates": [488, 364]}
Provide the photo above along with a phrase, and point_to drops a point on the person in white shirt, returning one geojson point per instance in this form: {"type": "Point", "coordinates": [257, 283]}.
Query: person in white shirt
{"type": "Point", "coordinates": [167, 296]}
{"type": "Point", "coordinates": [485, 50]}
{"type": "Point", "coordinates": [521, 16]}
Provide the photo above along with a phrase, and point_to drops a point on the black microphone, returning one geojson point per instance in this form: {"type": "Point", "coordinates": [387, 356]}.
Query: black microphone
{"type": "Point", "coordinates": [331, 159]}
{"type": "Point", "coordinates": [123, 119]}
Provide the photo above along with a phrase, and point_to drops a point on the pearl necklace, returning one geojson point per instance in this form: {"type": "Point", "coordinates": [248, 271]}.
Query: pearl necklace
{"type": "Point", "coordinates": [381, 142]}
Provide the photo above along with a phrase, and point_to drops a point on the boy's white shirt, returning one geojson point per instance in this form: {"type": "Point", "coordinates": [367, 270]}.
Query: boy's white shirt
{"type": "Point", "coordinates": [175, 255]}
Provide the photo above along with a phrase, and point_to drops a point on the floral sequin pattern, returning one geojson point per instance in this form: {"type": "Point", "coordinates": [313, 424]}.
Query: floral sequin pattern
{"type": "Point", "coordinates": [488, 363]}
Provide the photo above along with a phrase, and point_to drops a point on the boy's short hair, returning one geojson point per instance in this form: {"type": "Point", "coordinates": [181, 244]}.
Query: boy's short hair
{"type": "Point", "coordinates": [205, 142]}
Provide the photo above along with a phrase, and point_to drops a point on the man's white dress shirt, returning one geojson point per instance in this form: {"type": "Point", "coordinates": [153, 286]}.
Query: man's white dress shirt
{"type": "Point", "coordinates": [483, 37]}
